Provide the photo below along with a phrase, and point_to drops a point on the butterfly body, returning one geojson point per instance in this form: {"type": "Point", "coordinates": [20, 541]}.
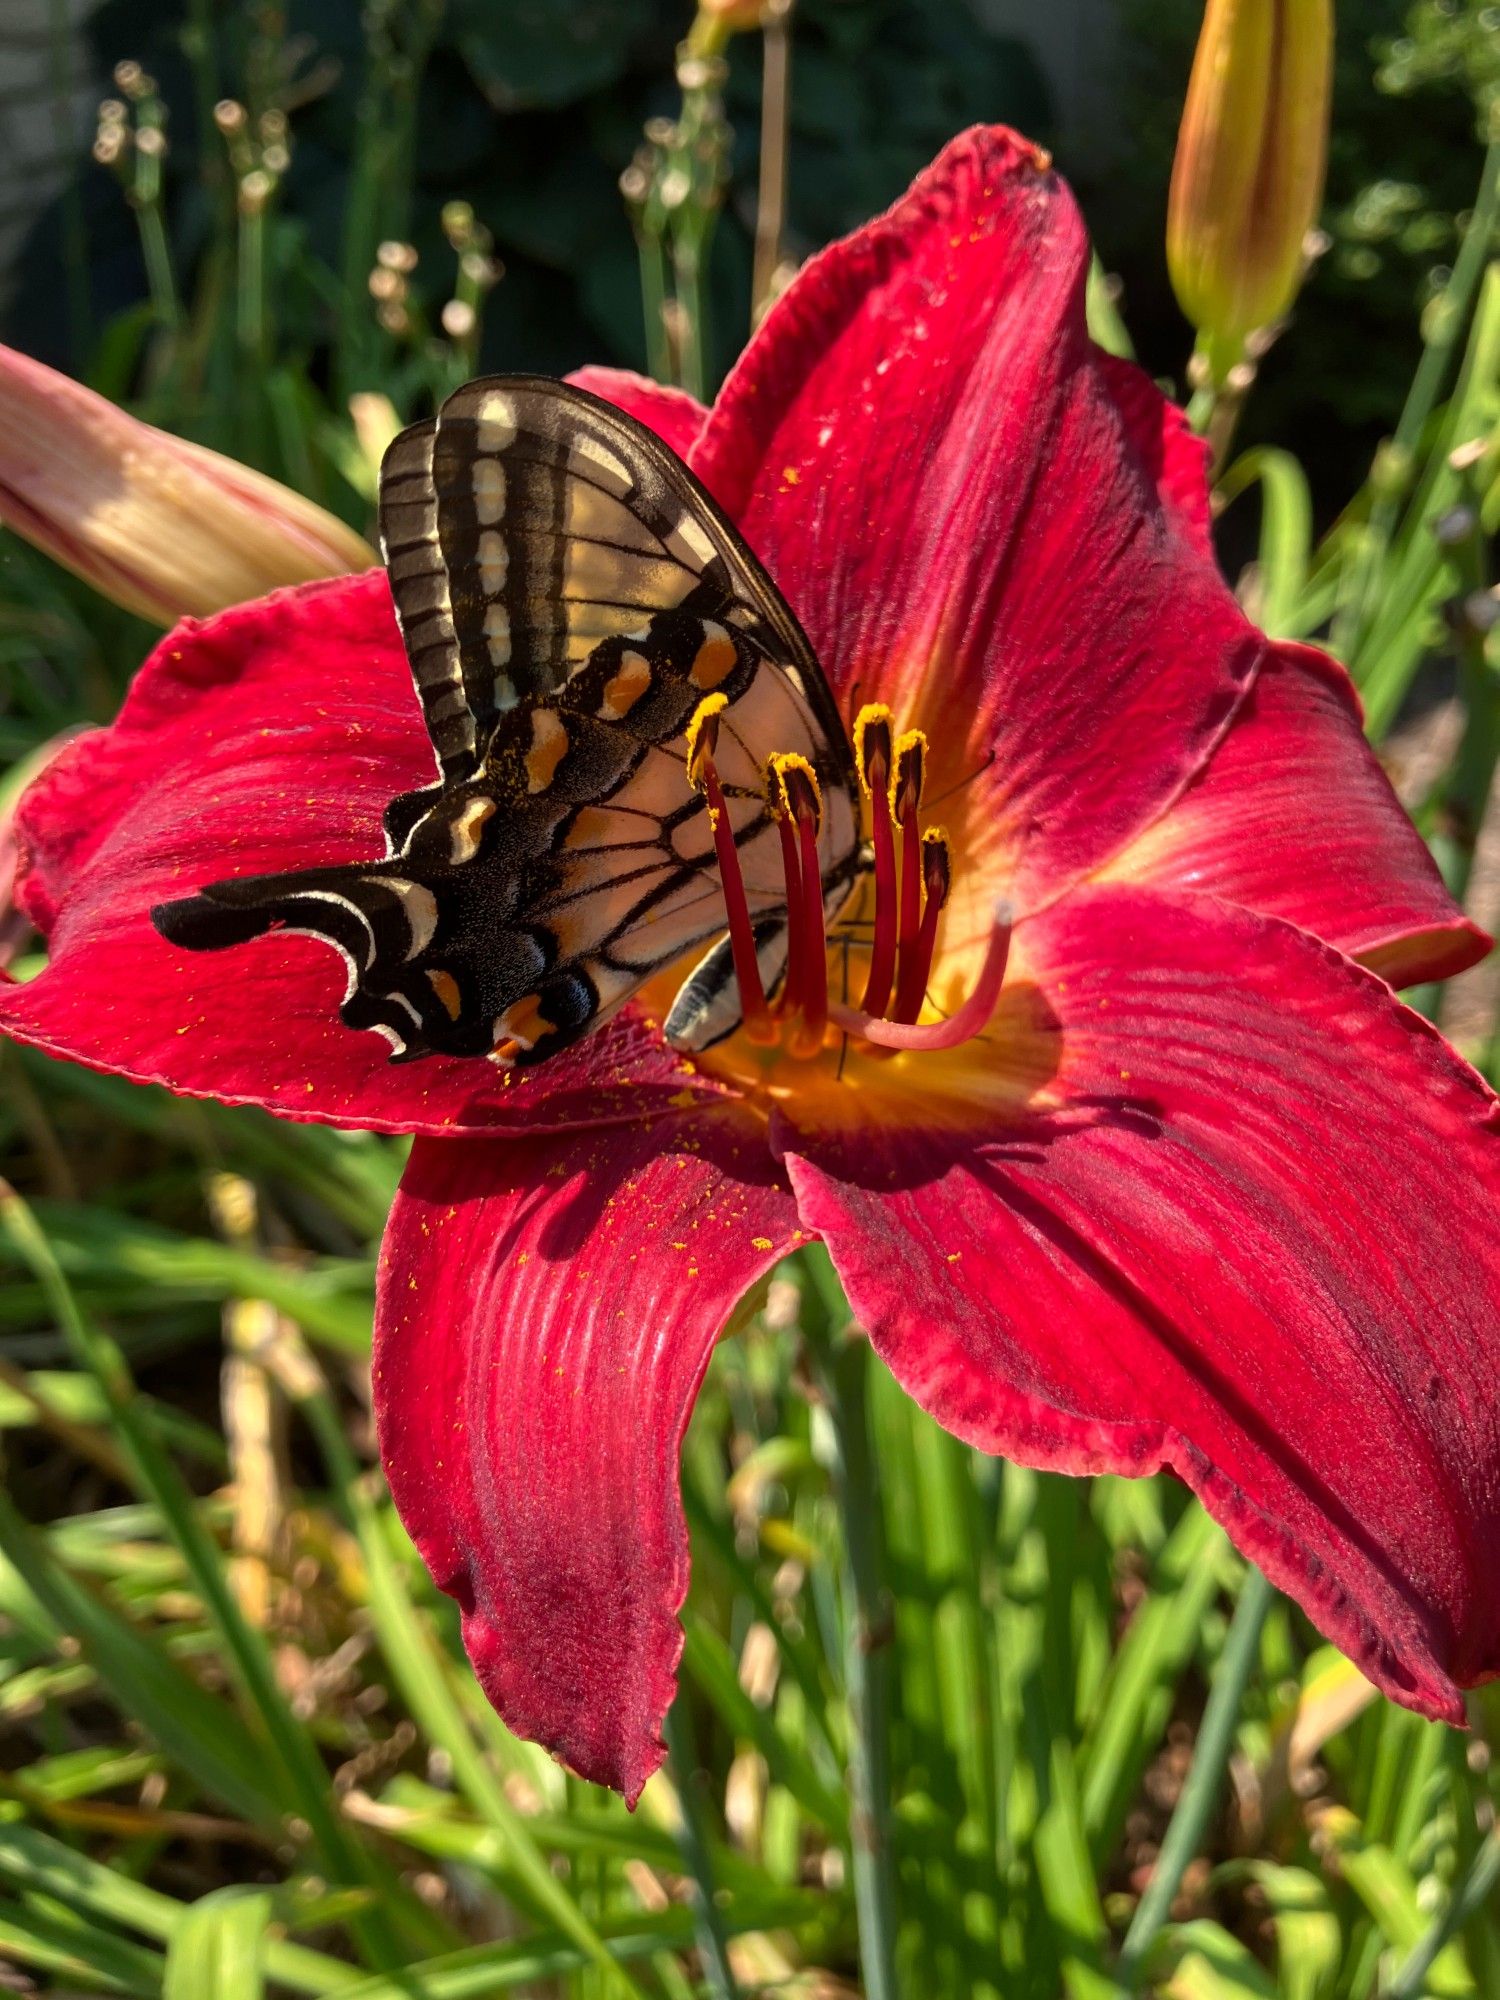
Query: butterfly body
{"type": "Point", "coordinates": [568, 596]}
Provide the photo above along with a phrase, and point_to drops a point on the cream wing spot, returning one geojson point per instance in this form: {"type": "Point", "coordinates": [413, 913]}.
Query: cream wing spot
{"type": "Point", "coordinates": [489, 491]}
{"type": "Point", "coordinates": [464, 832]}
{"type": "Point", "coordinates": [419, 906]}
{"type": "Point", "coordinates": [497, 634]}
{"type": "Point", "coordinates": [497, 421]}
{"type": "Point", "coordinates": [602, 459]}
{"type": "Point", "coordinates": [494, 562]}
{"type": "Point", "coordinates": [688, 539]}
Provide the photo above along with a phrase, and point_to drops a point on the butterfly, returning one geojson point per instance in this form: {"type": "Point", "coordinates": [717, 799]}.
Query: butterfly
{"type": "Point", "coordinates": [567, 593]}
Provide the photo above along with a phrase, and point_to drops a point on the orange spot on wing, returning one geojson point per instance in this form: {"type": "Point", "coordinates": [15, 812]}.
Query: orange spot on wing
{"type": "Point", "coordinates": [445, 986]}
{"type": "Point", "coordinates": [714, 661]}
{"type": "Point", "coordinates": [625, 686]}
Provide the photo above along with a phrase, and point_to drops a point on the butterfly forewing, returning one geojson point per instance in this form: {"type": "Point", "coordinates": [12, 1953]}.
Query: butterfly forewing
{"type": "Point", "coordinates": [567, 594]}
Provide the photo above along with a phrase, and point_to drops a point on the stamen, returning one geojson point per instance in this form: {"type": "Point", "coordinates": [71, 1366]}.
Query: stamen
{"type": "Point", "coordinates": [794, 783]}
{"type": "Point", "coordinates": [702, 741]}
{"type": "Point", "coordinates": [872, 759]}
{"type": "Point", "coordinates": [906, 797]}
{"type": "Point", "coordinates": [916, 965]}
{"type": "Point", "coordinates": [971, 1017]}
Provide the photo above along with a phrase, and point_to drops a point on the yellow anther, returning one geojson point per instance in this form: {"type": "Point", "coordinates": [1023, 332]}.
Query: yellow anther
{"type": "Point", "coordinates": [792, 788]}
{"type": "Point", "coordinates": [874, 730]}
{"type": "Point", "coordinates": [936, 865]}
{"type": "Point", "coordinates": [703, 737]}
{"type": "Point", "coordinates": [906, 774]}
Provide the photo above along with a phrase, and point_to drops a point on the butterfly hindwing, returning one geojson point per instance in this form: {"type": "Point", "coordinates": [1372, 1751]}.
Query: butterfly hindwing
{"type": "Point", "coordinates": [567, 594]}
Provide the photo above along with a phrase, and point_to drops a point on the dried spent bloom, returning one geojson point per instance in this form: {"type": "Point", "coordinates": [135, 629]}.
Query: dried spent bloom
{"type": "Point", "coordinates": [1124, 1149]}
{"type": "Point", "coordinates": [1247, 181]}
{"type": "Point", "coordinates": [164, 527]}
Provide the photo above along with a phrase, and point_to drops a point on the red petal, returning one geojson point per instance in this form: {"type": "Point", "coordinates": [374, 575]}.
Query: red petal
{"type": "Point", "coordinates": [673, 414]}
{"type": "Point", "coordinates": [270, 737]}
{"type": "Point", "coordinates": [1256, 1241]}
{"type": "Point", "coordinates": [1295, 817]}
{"type": "Point", "coordinates": [930, 455]}
{"type": "Point", "coordinates": [1175, 456]}
{"type": "Point", "coordinates": [547, 1310]}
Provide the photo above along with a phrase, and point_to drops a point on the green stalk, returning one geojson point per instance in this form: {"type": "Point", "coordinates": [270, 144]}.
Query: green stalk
{"type": "Point", "coordinates": [422, 1682]}
{"type": "Point", "coordinates": [842, 1364]}
{"type": "Point", "coordinates": [1464, 792]}
{"type": "Point", "coordinates": [654, 302]}
{"type": "Point", "coordinates": [1190, 1819]}
{"type": "Point", "coordinates": [713, 1943]}
{"type": "Point", "coordinates": [1468, 1899]}
{"type": "Point", "coordinates": [158, 1477]}
{"type": "Point", "coordinates": [1447, 316]}
{"type": "Point", "coordinates": [775, 124]}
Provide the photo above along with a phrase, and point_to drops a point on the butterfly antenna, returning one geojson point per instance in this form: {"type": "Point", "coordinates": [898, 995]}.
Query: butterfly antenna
{"type": "Point", "coordinates": [953, 790]}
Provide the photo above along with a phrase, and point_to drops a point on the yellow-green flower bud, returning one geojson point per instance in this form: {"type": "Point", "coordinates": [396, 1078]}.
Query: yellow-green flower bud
{"type": "Point", "coordinates": [1248, 178]}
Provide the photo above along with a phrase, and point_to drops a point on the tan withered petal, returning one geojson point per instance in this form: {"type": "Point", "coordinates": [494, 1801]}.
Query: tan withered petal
{"type": "Point", "coordinates": [1248, 177]}
{"type": "Point", "coordinates": [159, 525]}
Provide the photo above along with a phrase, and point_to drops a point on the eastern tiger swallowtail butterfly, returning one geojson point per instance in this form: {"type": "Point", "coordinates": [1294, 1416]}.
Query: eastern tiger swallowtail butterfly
{"type": "Point", "coordinates": [568, 595]}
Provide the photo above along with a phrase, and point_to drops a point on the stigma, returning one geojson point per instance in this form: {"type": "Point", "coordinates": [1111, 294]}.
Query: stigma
{"type": "Point", "coordinates": [911, 868]}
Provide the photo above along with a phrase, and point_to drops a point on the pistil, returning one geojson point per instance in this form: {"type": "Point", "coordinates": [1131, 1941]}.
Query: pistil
{"type": "Point", "coordinates": [906, 798]}
{"type": "Point", "coordinates": [963, 1026]}
{"type": "Point", "coordinates": [916, 963]}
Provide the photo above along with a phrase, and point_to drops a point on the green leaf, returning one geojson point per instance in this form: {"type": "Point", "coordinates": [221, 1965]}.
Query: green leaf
{"type": "Point", "coordinates": [1212, 1965]}
{"type": "Point", "coordinates": [218, 1951]}
{"type": "Point", "coordinates": [1285, 533]}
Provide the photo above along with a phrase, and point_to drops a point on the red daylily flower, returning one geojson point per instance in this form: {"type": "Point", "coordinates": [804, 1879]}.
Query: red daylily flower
{"type": "Point", "coordinates": [1202, 1194]}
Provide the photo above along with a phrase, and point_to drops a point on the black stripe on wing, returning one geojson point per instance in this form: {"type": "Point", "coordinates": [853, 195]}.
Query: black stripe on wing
{"type": "Point", "coordinates": [532, 523]}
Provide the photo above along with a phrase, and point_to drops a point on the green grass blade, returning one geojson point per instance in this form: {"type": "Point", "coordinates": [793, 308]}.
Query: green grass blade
{"type": "Point", "coordinates": [245, 1649]}
{"type": "Point", "coordinates": [218, 1950]}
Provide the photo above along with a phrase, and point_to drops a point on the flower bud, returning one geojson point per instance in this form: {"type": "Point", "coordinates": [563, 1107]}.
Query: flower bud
{"type": "Point", "coordinates": [164, 527]}
{"type": "Point", "coordinates": [1248, 178]}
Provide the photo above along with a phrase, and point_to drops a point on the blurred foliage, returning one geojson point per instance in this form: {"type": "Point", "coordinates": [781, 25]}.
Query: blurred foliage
{"type": "Point", "coordinates": [1410, 84]}
{"type": "Point", "coordinates": [528, 111]}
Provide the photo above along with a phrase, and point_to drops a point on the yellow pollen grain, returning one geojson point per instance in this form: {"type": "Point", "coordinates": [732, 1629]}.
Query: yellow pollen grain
{"type": "Point", "coordinates": [683, 1100]}
{"type": "Point", "coordinates": [625, 687]}
{"type": "Point", "coordinates": [715, 658]}
{"type": "Point", "coordinates": [549, 745]}
{"type": "Point", "coordinates": [761, 1243]}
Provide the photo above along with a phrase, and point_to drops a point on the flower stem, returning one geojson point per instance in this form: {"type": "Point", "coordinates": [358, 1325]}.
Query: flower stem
{"type": "Point", "coordinates": [1462, 797]}
{"type": "Point", "coordinates": [1190, 1819]}
{"type": "Point", "coordinates": [1442, 327]}
{"type": "Point", "coordinates": [713, 1945]}
{"type": "Point", "coordinates": [841, 1360]}
{"type": "Point", "coordinates": [770, 211]}
{"type": "Point", "coordinates": [1410, 1981]}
